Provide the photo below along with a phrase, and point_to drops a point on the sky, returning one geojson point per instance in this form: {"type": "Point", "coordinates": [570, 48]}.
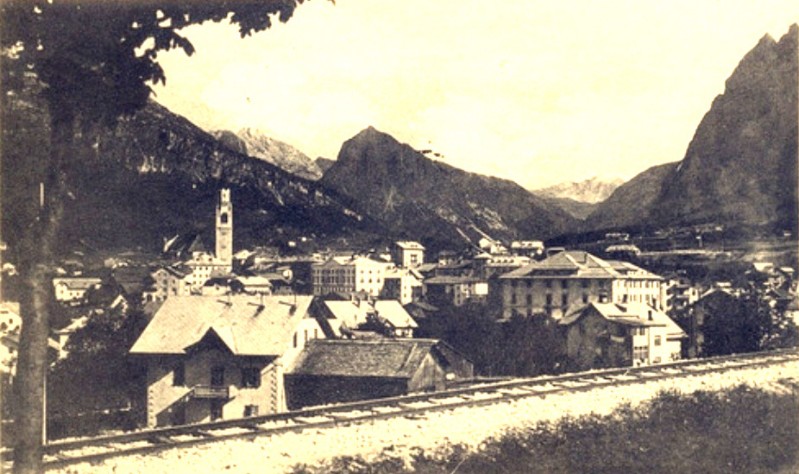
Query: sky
{"type": "Point", "coordinates": [537, 91]}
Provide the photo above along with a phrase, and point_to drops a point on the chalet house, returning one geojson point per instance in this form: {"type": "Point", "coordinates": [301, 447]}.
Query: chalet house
{"type": "Point", "coordinates": [407, 254]}
{"type": "Point", "coordinates": [335, 371]}
{"type": "Point", "coordinates": [568, 280]}
{"type": "Point", "coordinates": [211, 358]}
{"type": "Point", "coordinates": [387, 317]}
{"type": "Point", "coordinates": [618, 335]}
{"type": "Point", "coordinates": [73, 289]}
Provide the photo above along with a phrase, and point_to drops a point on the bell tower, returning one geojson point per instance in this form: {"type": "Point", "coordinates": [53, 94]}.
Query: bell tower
{"type": "Point", "coordinates": [224, 228]}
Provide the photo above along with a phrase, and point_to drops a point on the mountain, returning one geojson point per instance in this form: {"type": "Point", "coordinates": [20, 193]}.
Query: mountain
{"type": "Point", "coordinates": [741, 165]}
{"type": "Point", "coordinates": [740, 168]}
{"type": "Point", "coordinates": [156, 175]}
{"type": "Point", "coordinates": [590, 191]}
{"type": "Point", "coordinates": [631, 203]}
{"type": "Point", "coordinates": [430, 200]}
{"type": "Point", "coordinates": [577, 209]}
{"type": "Point", "coordinates": [254, 143]}
{"type": "Point", "coordinates": [324, 164]}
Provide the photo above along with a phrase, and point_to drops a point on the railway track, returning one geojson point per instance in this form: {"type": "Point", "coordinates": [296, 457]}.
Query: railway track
{"type": "Point", "coordinates": [63, 453]}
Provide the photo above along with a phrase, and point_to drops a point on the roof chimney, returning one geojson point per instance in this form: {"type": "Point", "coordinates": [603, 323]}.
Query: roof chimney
{"type": "Point", "coordinates": [650, 314]}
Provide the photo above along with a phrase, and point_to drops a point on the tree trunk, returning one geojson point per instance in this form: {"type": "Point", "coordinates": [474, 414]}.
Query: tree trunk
{"type": "Point", "coordinates": [36, 269]}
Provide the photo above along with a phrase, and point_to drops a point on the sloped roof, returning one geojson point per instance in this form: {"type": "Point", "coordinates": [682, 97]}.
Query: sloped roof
{"type": "Point", "coordinates": [409, 245]}
{"type": "Point", "coordinates": [579, 264]}
{"type": "Point", "coordinates": [244, 326]}
{"type": "Point", "coordinates": [394, 358]}
{"type": "Point", "coordinates": [628, 314]}
{"type": "Point", "coordinates": [77, 283]}
{"type": "Point", "coordinates": [354, 314]}
{"type": "Point", "coordinates": [451, 280]}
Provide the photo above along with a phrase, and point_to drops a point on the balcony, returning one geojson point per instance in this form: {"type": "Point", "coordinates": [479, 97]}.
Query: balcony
{"type": "Point", "coordinates": [208, 392]}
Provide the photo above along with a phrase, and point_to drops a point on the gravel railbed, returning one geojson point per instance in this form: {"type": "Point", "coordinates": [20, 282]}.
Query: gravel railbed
{"type": "Point", "coordinates": [470, 426]}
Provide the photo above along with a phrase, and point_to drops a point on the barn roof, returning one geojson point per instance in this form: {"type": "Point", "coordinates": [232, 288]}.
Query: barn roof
{"type": "Point", "coordinates": [248, 325]}
{"type": "Point", "coordinates": [391, 358]}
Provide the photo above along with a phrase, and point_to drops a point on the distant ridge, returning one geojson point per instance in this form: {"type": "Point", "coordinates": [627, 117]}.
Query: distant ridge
{"type": "Point", "coordinates": [417, 196]}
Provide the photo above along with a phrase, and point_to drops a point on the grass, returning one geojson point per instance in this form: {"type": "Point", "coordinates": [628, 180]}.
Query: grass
{"type": "Point", "coordinates": [731, 431]}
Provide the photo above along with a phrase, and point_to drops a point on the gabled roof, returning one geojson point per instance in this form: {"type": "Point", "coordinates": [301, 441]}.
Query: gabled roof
{"type": "Point", "coordinates": [197, 245]}
{"type": "Point", "coordinates": [628, 314]}
{"type": "Point", "coordinates": [391, 358]}
{"type": "Point", "coordinates": [354, 313]}
{"type": "Point", "coordinates": [578, 264]}
{"type": "Point", "coordinates": [77, 283]}
{"type": "Point", "coordinates": [248, 325]}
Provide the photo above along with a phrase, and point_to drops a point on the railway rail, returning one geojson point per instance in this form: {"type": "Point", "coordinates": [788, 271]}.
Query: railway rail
{"type": "Point", "coordinates": [63, 453]}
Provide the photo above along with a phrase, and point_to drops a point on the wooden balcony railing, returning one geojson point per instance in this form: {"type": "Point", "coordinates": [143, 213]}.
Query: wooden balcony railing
{"type": "Point", "coordinates": [210, 392]}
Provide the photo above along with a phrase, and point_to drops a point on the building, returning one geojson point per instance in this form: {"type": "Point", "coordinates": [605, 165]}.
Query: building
{"type": "Point", "coordinates": [211, 357]}
{"type": "Point", "coordinates": [619, 335]}
{"type": "Point", "coordinates": [677, 294]}
{"type": "Point", "coordinates": [501, 264]}
{"type": "Point", "coordinates": [224, 229]}
{"type": "Point", "coordinates": [171, 280]}
{"type": "Point", "coordinates": [402, 284]}
{"type": "Point", "coordinates": [349, 275]}
{"type": "Point", "coordinates": [407, 254]}
{"type": "Point", "coordinates": [567, 280]}
{"type": "Point", "coordinates": [205, 265]}
{"type": "Point", "coordinates": [386, 317]}
{"type": "Point", "coordinates": [529, 248]}
{"type": "Point", "coordinates": [455, 290]}
{"type": "Point", "coordinates": [73, 289]}
{"type": "Point", "coordinates": [336, 371]}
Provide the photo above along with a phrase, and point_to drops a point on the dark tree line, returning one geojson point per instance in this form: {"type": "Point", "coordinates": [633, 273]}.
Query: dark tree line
{"type": "Point", "coordinates": [521, 346]}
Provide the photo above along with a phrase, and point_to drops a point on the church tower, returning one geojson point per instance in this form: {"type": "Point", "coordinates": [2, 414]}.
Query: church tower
{"type": "Point", "coordinates": [224, 228]}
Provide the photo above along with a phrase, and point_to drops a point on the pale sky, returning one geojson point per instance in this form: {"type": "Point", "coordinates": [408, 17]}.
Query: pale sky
{"type": "Point", "coordinates": [540, 92]}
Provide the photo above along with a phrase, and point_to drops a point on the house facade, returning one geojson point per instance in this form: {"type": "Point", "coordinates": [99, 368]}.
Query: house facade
{"type": "Point", "coordinates": [402, 284]}
{"type": "Point", "coordinates": [407, 254]}
{"type": "Point", "coordinates": [211, 357]}
{"type": "Point", "coordinates": [568, 280]}
{"type": "Point", "coordinates": [73, 289]}
{"type": "Point", "coordinates": [349, 275]}
{"type": "Point", "coordinates": [618, 335]}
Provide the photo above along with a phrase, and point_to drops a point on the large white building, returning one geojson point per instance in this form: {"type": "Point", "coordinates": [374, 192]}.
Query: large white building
{"type": "Point", "coordinates": [567, 280]}
{"type": "Point", "coordinates": [348, 275]}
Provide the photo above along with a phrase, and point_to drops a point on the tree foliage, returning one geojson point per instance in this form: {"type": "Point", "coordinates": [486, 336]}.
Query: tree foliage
{"type": "Point", "coordinates": [95, 61]}
{"type": "Point", "coordinates": [522, 346]}
{"type": "Point", "coordinates": [748, 323]}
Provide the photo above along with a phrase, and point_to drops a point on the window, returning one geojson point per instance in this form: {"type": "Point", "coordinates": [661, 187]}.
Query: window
{"type": "Point", "coordinates": [295, 339]}
{"type": "Point", "coordinates": [585, 297]}
{"type": "Point", "coordinates": [218, 376]}
{"type": "Point", "coordinates": [179, 375]}
{"type": "Point", "coordinates": [549, 283]}
{"type": "Point", "coordinates": [657, 340]}
{"type": "Point", "coordinates": [513, 298]}
{"type": "Point", "coordinates": [250, 377]}
{"type": "Point", "coordinates": [216, 409]}
{"type": "Point", "coordinates": [250, 410]}
{"type": "Point", "coordinates": [549, 300]}
{"type": "Point", "coordinates": [585, 283]}
{"type": "Point", "coordinates": [529, 300]}
{"type": "Point", "coordinates": [564, 299]}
